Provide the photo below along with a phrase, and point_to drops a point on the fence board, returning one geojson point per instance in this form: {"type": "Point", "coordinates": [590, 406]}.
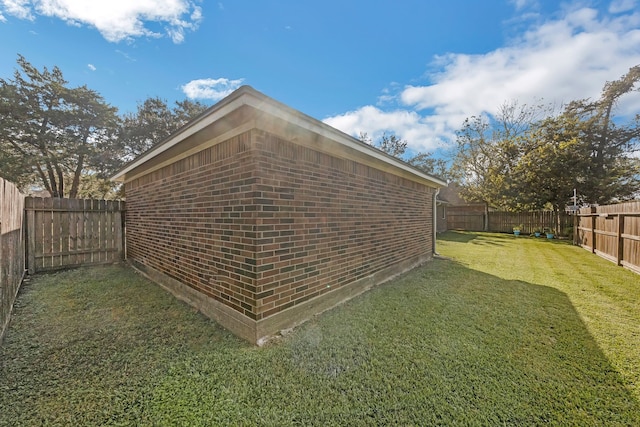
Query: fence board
{"type": "Point", "coordinates": [467, 217]}
{"type": "Point", "coordinates": [467, 221]}
{"type": "Point", "coordinates": [612, 232]}
{"type": "Point", "coordinates": [471, 218]}
{"type": "Point", "coordinates": [12, 259]}
{"type": "Point", "coordinates": [503, 222]}
{"type": "Point", "coordinates": [68, 233]}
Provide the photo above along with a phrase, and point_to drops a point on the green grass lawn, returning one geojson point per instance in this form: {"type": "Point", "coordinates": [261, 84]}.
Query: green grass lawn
{"type": "Point", "coordinates": [509, 332]}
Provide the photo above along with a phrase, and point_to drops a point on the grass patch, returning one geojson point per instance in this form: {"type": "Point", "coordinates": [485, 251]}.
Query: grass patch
{"type": "Point", "coordinates": [605, 298]}
{"type": "Point", "coordinates": [446, 344]}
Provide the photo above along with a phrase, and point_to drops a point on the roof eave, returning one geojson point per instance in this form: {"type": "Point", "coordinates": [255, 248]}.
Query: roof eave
{"type": "Point", "coordinates": [246, 95]}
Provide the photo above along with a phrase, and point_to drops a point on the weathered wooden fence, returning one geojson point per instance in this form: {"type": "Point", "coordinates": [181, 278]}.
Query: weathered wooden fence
{"type": "Point", "coordinates": [63, 233]}
{"type": "Point", "coordinates": [12, 267]}
{"type": "Point", "coordinates": [503, 222]}
{"type": "Point", "coordinates": [473, 218]}
{"type": "Point", "coordinates": [468, 217]}
{"type": "Point", "coordinates": [612, 232]}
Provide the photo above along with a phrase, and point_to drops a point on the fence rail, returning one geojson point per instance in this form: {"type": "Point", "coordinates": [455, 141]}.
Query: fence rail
{"type": "Point", "coordinates": [468, 217]}
{"type": "Point", "coordinates": [503, 222]}
{"type": "Point", "coordinates": [612, 232]}
{"type": "Point", "coordinates": [63, 233]}
{"type": "Point", "coordinates": [472, 218]}
{"type": "Point", "coordinates": [12, 267]}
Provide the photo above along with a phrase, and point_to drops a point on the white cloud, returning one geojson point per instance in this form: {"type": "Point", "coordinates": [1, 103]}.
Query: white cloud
{"type": "Point", "coordinates": [18, 8]}
{"type": "Point", "coordinates": [125, 55]}
{"type": "Point", "coordinates": [214, 89]}
{"type": "Point", "coordinates": [422, 132]}
{"type": "Point", "coordinates": [554, 61]}
{"type": "Point", "coordinates": [91, 67]}
{"type": "Point", "coordinates": [619, 6]}
{"type": "Point", "coordinates": [116, 20]}
{"type": "Point", "coordinates": [521, 4]}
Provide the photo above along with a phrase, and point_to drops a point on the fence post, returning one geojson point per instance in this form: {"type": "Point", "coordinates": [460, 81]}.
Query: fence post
{"type": "Point", "coordinates": [620, 238]}
{"type": "Point", "coordinates": [123, 228]}
{"type": "Point", "coordinates": [593, 230]}
{"type": "Point", "coordinates": [31, 238]}
{"type": "Point", "coordinates": [118, 228]}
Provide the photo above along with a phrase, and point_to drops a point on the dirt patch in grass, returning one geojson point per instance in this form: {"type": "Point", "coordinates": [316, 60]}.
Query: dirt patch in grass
{"type": "Point", "coordinates": [444, 344]}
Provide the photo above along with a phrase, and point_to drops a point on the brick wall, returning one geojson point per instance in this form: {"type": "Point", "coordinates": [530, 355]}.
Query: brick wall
{"type": "Point", "coordinates": [261, 224]}
{"type": "Point", "coordinates": [194, 221]}
{"type": "Point", "coordinates": [324, 222]}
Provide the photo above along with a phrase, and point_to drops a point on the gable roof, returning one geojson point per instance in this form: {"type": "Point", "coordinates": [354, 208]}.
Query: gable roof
{"type": "Point", "coordinates": [451, 194]}
{"type": "Point", "coordinates": [246, 106]}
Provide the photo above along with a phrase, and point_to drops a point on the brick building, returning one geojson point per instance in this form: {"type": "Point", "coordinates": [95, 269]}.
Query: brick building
{"type": "Point", "coordinates": [261, 216]}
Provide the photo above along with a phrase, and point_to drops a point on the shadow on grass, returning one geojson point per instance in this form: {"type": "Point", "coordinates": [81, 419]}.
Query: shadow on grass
{"type": "Point", "coordinates": [493, 239]}
{"type": "Point", "coordinates": [490, 239]}
{"type": "Point", "coordinates": [442, 344]}
{"type": "Point", "coordinates": [457, 236]}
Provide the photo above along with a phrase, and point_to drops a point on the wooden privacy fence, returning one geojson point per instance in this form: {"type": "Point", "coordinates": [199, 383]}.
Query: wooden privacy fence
{"type": "Point", "coordinates": [64, 233]}
{"type": "Point", "coordinates": [503, 222]}
{"type": "Point", "coordinates": [612, 232]}
{"type": "Point", "coordinates": [11, 249]}
{"type": "Point", "coordinates": [467, 217]}
{"type": "Point", "coordinates": [474, 218]}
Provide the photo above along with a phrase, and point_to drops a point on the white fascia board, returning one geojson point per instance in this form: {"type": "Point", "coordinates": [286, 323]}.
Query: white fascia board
{"type": "Point", "coordinates": [306, 122]}
{"type": "Point", "coordinates": [192, 128]}
{"type": "Point", "coordinates": [246, 95]}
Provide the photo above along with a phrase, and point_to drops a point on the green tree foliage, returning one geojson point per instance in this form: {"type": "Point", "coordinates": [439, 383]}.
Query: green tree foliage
{"type": "Point", "coordinates": [397, 147]}
{"type": "Point", "coordinates": [392, 145]}
{"type": "Point", "coordinates": [50, 133]}
{"type": "Point", "coordinates": [487, 153]}
{"type": "Point", "coordinates": [430, 165]}
{"type": "Point", "coordinates": [529, 158]}
{"type": "Point", "coordinates": [476, 161]}
{"type": "Point", "coordinates": [69, 140]}
{"type": "Point", "coordinates": [611, 174]}
{"type": "Point", "coordinates": [551, 166]}
{"type": "Point", "coordinates": [137, 132]}
{"type": "Point", "coordinates": [152, 122]}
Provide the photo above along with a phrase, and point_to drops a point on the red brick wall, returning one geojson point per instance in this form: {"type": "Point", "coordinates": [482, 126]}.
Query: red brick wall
{"type": "Point", "coordinates": [261, 224]}
{"type": "Point", "coordinates": [193, 221]}
{"type": "Point", "coordinates": [323, 222]}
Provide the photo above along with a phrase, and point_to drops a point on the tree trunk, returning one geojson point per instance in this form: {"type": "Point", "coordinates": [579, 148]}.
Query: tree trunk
{"type": "Point", "coordinates": [486, 216]}
{"type": "Point", "coordinates": [60, 181]}
{"type": "Point", "coordinates": [75, 185]}
{"type": "Point", "coordinates": [53, 185]}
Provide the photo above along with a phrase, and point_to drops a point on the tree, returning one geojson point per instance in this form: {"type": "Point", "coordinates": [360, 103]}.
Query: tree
{"type": "Point", "coordinates": [90, 128]}
{"type": "Point", "coordinates": [429, 164]}
{"type": "Point", "coordinates": [476, 165]}
{"type": "Point", "coordinates": [553, 163]}
{"type": "Point", "coordinates": [612, 173]}
{"type": "Point", "coordinates": [392, 145]}
{"type": "Point", "coordinates": [152, 122]}
{"type": "Point", "coordinates": [585, 148]}
{"type": "Point", "coordinates": [488, 151]}
{"type": "Point", "coordinates": [530, 158]}
{"type": "Point", "coordinates": [51, 132]}
{"type": "Point", "coordinates": [397, 147]}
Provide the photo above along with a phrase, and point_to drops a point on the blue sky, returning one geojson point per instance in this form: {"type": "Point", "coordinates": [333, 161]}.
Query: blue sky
{"type": "Point", "coordinates": [413, 67]}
